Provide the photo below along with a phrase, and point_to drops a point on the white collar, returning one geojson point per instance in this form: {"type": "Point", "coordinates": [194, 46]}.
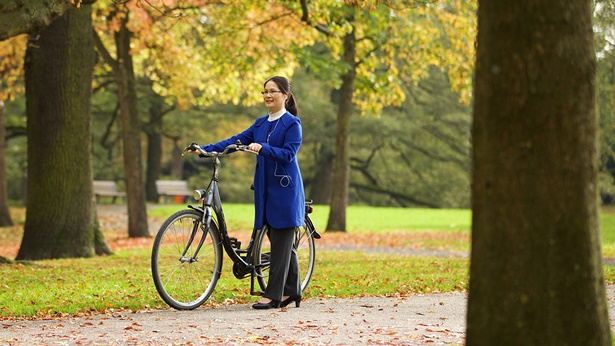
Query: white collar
{"type": "Point", "coordinates": [277, 115]}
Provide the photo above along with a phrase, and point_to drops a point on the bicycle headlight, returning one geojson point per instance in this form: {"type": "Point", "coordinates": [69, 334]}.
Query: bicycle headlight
{"type": "Point", "coordinates": [198, 194]}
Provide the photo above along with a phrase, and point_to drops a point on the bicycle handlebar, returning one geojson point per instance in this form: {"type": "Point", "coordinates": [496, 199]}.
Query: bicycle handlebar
{"type": "Point", "coordinates": [238, 146]}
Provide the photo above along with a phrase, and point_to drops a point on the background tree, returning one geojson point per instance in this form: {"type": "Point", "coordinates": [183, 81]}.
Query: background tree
{"type": "Point", "coordinates": [153, 129]}
{"type": "Point", "coordinates": [425, 162]}
{"type": "Point", "coordinates": [604, 24]}
{"type": "Point", "coordinates": [123, 71]}
{"type": "Point", "coordinates": [375, 51]}
{"type": "Point", "coordinates": [59, 64]}
{"type": "Point", "coordinates": [340, 175]}
{"type": "Point", "coordinates": [318, 118]}
{"type": "Point", "coordinates": [536, 269]}
{"type": "Point", "coordinates": [5, 216]}
{"type": "Point", "coordinates": [11, 84]}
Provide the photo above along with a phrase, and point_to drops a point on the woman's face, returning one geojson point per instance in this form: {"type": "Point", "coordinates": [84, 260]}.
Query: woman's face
{"type": "Point", "coordinates": [274, 98]}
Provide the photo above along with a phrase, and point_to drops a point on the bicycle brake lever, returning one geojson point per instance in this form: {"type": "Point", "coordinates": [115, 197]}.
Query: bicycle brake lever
{"type": "Point", "coordinates": [245, 148]}
{"type": "Point", "coordinates": [194, 146]}
{"type": "Point", "coordinates": [191, 147]}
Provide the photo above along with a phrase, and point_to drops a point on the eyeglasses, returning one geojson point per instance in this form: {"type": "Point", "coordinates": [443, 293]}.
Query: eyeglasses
{"type": "Point", "coordinates": [270, 92]}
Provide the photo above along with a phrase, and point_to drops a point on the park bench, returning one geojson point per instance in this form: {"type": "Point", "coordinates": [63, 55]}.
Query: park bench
{"type": "Point", "coordinates": [176, 188]}
{"type": "Point", "coordinates": [107, 188]}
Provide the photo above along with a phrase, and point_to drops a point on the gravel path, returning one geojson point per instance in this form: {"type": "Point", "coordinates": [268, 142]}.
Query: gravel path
{"type": "Point", "coordinates": [413, 320]}
{"type": "Point", "coordinates": [431, 319]}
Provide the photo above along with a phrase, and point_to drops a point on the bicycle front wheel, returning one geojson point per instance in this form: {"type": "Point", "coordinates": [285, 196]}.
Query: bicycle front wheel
{"type": "Point", "coordinates": [303, 246]}
{"type": "Point", "coordinates": [186, 260]}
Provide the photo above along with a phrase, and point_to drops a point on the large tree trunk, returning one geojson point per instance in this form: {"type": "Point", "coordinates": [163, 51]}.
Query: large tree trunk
{"type": "Point", "coordinates": [24, 16]}
{"type": "Point", "coordinates": [536, 271]}
{"type": "Point", "coordinates": [59, 64]}
{"type": "Point", "coordinates": [341, 163]}
{"type": "Point", "coordinates": [131, 135]}
{"type": "Point", "coordinates": [5, 216]}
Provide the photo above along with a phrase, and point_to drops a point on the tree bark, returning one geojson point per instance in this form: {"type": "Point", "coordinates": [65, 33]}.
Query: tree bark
{"type": "Point", "coordinates": [59, 66]}
{"type": "Point", "coordinates": [24, 16]}
{"type": "Point", "coordinates": [536, 270]}
{"type": "Point", "coordinates": [5, 215]}
{"type": "Point", "coordinates": [341, 163]}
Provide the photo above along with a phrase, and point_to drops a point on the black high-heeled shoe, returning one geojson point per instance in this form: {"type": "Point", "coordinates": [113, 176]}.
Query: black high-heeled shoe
{"type": "Point", "coordinates": [296, 299]}
{"type": "Point", "coordinates": [262, 306]}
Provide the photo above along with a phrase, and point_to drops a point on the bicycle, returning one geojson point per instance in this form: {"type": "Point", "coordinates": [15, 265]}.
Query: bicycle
{"type": "Point", "coordinates": [188, 249]}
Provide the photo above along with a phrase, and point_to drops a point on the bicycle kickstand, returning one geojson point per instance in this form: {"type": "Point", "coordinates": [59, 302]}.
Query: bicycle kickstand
{"type": "Point", "coordinates": [252, 278]}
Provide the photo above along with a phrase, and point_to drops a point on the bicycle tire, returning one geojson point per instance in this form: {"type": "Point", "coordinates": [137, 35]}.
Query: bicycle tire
{"type": "Point", "coordinates": [185, 283]}
{"type": "Point", "coordinates": [305, 249]}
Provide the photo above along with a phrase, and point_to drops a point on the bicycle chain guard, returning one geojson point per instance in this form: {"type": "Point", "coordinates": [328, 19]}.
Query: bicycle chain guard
{"type": "Point", "coordinates": [240, 271]}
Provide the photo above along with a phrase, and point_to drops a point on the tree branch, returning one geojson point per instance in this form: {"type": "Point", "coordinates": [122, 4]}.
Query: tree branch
{"type": "Point", "coordinates": [23, 17]}
{"type": "Point", "coordinates": [394, 194]}
{"type": "Point", "coordinates": [305, 17]}
{"type": "Point", "coordinates": [104, 141]}
{"type": "Point", "coordinates": [104, 53]}
{"type": "Point", "coordinates": [15, 131]}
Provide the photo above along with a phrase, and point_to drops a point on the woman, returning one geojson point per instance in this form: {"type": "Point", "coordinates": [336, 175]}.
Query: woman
{"type": "Point", "coordinates": [278, 188]}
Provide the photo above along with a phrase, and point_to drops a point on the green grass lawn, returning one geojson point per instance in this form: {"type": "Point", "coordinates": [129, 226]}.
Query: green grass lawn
{"type": "Point", "coordinates": [123, 281]}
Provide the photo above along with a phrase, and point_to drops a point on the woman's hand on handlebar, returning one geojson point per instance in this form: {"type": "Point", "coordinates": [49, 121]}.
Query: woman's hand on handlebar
{"type": "Point", "coordinates": [255, 147]}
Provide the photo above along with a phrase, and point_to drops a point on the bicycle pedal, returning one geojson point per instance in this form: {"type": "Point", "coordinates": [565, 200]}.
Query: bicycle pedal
{"type": "Point", "coordinates": [235, 244]}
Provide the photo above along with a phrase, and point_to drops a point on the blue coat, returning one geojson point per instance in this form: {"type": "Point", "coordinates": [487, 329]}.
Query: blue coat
{"type": "Point", "coordinates": [279, 198]}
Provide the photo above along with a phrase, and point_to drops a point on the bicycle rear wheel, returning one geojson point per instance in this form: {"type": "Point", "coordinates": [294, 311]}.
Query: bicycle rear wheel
{"type": "Point", "coordinates": [303, 246]}
{"type": "Point", "coordinates": [183, 278]}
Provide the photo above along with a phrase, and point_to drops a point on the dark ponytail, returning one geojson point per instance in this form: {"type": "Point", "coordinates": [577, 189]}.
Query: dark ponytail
{"type": "Point", "coordinates": [284, 85]}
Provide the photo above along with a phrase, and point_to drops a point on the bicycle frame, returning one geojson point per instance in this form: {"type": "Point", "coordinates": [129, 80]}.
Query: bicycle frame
{"type": "Point", "coordinates": [212, 202]}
